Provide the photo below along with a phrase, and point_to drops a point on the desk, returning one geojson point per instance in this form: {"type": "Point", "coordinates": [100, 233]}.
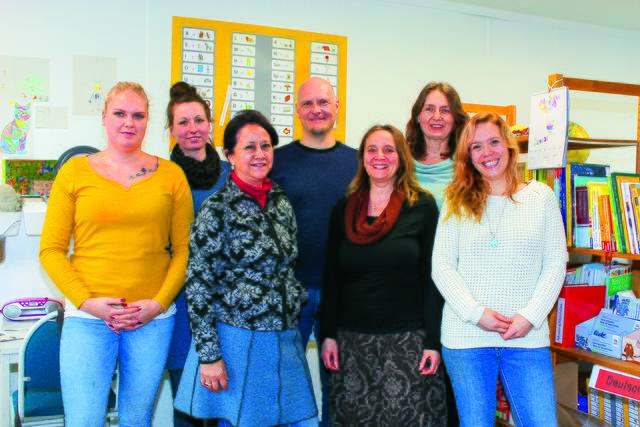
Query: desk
{"type": "Point", "coordinates": [9, 351]}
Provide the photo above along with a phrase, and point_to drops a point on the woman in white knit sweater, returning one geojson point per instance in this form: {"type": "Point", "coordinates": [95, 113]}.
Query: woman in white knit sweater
{"type": "Point", "coordinates": [499, 261]}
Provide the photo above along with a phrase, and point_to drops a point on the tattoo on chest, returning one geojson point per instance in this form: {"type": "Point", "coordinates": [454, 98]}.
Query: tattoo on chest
{"type": "Point", "coordinates": [143, 171]}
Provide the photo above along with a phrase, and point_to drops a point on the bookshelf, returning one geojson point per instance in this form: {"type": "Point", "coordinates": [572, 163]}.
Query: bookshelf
{"type": "Point", "coordinates": [604, 255]}
{"type": "Point", "coordinates": [564, 354]}
{"type": "Point", "coordinates": [600, 86]}
{"type": "Point", "coordinates": [507, 111]}
{"type": "Point", "coordinates": [586, 144]}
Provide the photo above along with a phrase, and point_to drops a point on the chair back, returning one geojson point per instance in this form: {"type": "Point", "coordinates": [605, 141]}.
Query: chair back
{"type": "Point", "coordinates": [39, 391]}
{"type": "Point", "coordinates": [41, 365]}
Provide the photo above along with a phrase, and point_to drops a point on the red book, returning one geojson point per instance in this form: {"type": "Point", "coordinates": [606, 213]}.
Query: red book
{"type": "Point", "coordinates": [576, 304]}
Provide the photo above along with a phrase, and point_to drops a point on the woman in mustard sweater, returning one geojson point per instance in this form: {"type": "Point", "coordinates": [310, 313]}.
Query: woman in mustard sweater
{"type": "Point", "coordinates": [124, 209]}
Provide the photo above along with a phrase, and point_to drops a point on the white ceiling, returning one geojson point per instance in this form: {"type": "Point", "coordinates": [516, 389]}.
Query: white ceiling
{"type": "Point", "coordinates": [621, 14]}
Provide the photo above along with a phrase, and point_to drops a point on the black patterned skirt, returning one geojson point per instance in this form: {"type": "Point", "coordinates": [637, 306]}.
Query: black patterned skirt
{"type": "Point", "coordinates": [379, 384]}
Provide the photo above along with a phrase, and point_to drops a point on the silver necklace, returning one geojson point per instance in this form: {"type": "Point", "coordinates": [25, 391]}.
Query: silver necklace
{"type": "Point", "coordinates": [376, 207]}
{"type": "Point", "coordinates": [493, 243]}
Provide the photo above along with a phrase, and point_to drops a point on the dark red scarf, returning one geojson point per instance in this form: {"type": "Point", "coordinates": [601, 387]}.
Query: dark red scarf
{"type": "Point", "coordinates": [258, 193]}
{"type": "Point", "coordinates": [358, 230]}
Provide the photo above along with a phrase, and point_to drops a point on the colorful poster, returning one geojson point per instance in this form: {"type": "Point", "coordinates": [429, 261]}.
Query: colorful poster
{"type": "Point", "coordinates": [243, 66]}
{"type": "Point", "coordinates": [13, 140]}
{"type": "Point", "coordinates": [93, 76]}
{"type": "Point", "coordinates": [29, 176]}
{"type": "Point", "coordinates": [548, 129]}
{"type": "Point", "coordinates": [22, 82]}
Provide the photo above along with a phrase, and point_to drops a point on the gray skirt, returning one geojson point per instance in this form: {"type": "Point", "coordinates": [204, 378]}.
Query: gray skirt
{"type": "Point", "coordinates": [379, 383]}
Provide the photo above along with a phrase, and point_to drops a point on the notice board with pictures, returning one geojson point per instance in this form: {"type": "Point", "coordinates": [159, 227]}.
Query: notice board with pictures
{"type": "Point", "coordinates": [241, 66]}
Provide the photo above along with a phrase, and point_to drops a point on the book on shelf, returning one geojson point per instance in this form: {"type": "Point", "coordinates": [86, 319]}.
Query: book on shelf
{"type": "Point", "coordinates": [591, 227]}
{"type": "Point", "coordinates": [626, 209]}
{"type": "Point", "coordinates": [599, 188]}
{"type": "Point", "coordinates": [571, 171]}
{"type": "Point", "coordinates": [616, 277]}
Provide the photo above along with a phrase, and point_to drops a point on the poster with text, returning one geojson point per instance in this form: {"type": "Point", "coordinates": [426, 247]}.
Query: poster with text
{"type": "Point", "coordinates": [237, 66]}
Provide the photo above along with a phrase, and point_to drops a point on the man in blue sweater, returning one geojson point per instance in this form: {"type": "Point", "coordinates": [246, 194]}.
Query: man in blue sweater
{"type": "Point", "coordinates": [314, 171]}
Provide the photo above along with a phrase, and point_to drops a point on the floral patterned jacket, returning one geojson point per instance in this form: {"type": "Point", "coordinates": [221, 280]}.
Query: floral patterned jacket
{"type": "Point", "coordinates": [241, 267]}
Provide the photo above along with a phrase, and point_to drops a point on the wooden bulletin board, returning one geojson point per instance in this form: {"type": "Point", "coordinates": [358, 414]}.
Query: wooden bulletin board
{"type": "Point", "coordinates": [240, 66]}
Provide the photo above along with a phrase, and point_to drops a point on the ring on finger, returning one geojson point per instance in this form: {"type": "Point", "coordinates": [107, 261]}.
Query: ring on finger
{"type": "Point", "coordinates": [207, 384]}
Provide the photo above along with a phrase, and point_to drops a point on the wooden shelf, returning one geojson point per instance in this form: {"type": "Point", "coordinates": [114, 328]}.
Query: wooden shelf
{"type": "Point", "coordinates": [603, 254]}
{"type": "Point", "coordinates": [584, 143]}
{"type": "Point", "coordinates": [564, 354]}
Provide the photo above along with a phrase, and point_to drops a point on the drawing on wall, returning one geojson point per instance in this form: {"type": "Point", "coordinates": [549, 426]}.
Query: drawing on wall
{"type": "Point", "coordinates": [14, 134]}
{"type": "Point", "coordinates": [22, 82]}
{"type": "Point", "coordinates": [548, 129]}
{"type": "Point", "coordinates": [92, 78]}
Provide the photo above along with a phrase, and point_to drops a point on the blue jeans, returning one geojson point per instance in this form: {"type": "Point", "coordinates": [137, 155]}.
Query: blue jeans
{"type": "Point", "coordinates": [310, 322]}
{"type": "Point", "coordinates": [88, 354]}
{"type": "Point", "coordinates": [527, 378]}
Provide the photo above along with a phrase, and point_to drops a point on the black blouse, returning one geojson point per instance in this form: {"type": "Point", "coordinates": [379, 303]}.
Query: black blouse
{"type": "Point", "coordinates": [384, 286]}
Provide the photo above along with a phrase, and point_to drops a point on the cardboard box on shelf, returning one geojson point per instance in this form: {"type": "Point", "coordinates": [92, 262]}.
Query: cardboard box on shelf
{"type": "Point", "coordinates": [605, 333]}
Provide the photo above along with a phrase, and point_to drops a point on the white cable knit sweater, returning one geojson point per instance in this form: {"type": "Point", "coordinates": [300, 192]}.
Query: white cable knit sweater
{"type": "Point", "coordinates": [523, 274]}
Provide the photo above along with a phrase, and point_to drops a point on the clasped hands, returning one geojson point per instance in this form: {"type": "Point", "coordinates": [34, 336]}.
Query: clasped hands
{"type": "Point", "coordinates": [508, 327]}
{"type": "Point", "coordinates": [120, 315]}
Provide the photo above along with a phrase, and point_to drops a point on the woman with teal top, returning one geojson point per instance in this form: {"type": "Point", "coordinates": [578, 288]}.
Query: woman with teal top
{"type": "Point", "coordinates": [437, 118]}
{"type": "Point", "coordinates": [436, 122]}
{"type": "Point", "coordinates": [189, 121]}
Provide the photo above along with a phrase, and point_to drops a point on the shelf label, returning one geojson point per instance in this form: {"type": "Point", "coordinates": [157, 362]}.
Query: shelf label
{"type": "Point", "coordinates": [615, 382]}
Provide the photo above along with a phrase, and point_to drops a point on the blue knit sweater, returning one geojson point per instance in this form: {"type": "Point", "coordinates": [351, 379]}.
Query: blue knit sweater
{"type": "Point", "coordinates": [314, 180]}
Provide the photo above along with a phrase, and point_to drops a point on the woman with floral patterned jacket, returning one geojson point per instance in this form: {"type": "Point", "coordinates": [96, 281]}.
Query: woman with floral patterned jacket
{"type": "Point", "coordinates": [247, 366]}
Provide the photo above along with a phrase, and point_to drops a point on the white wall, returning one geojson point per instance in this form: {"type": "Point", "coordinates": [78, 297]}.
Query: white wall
{"type": "Point", "coordinates": [395, 47]}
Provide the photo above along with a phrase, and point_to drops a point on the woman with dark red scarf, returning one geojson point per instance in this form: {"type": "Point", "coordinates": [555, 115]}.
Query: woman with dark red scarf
{"type": "Point", "coordinates": [247, 366]}
{"type": "Point", "coordinates": [381, 312]}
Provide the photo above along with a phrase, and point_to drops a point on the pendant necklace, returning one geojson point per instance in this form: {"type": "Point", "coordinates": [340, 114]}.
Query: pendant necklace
{"type": "Point", "coordinates": [376, 207]}
{"type": "Point", "coordinates": [493, 243]}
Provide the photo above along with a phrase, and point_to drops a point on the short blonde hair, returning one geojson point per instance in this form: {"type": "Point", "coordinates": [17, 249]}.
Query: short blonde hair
{"type": "Point", "coordinates": [124, 86]}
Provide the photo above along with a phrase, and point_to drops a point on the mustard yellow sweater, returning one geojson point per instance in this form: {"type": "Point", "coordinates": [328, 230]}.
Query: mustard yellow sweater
{"type": "Point", "coordinates": [120, 236]}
